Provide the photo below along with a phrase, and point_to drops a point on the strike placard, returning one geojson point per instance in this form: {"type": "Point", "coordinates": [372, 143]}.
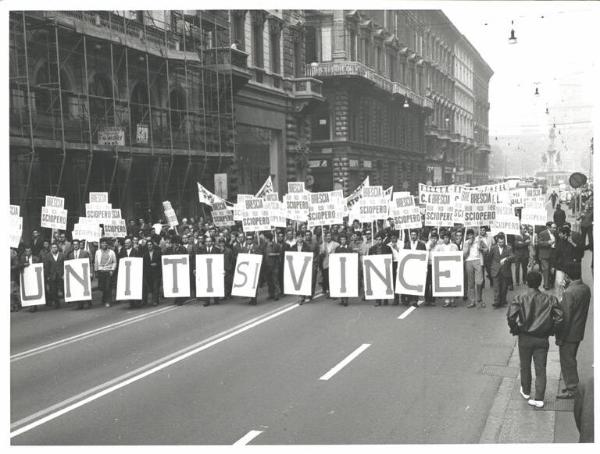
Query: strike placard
{"type": "Point", "coordinates": [297, 273]}
{"type": "Point", "coordinates": [102, 211]}
{"type": "Point", "coordinates": [343, 273]}
{"type": "Point", "coordinates": [439, 215]}
{"type": "Point", "coordinates": [54, 218]}
{"type": "Point", "coordinates": [176, 275]}
{"type": "Point", "coordinates": [33, 290]}
{"type": "Point", "coordinates": [255, 217]}
{"type": "Point", "coordinates": [15, 230]}
{"type": "Point", "coordinates": [245, 277]}
{"type": "Point", "coordinates": [115, 228]}
{"type": "Point", "coordinates": [55, 202]}
{"type": "Point", "coordinates": [412, 272]}
{"type": "Point", "coordinates": [447, 273]}
{"type": "Point", "coordinates": [15, 210]}
{"type": "Point", "coordinates": [534, 216]}
{"type": "Point", "coordinates": [222, 215]}
{"type": "Point", "coordinates": [99, 197]}
{"type": "Point", "coordinates": [77, 280]}
{"type": "Point", "coordinates": [377, 277]}
{"type": "Point", "coordinates": [130, 280]}
{"type": "Point", "coordinates": [210, 275]}
{"type": "Point", "coordinates": [325, 208]}
{"type": "Point", "coordinates": [296, 205]}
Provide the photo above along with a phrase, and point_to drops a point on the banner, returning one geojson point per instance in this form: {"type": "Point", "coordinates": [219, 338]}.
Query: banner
{"type": "Point", "coordinates": [221, 215]}
{"type": "Point", "coordinates": [54, 218]}
{"type": "Point", "coordinates": [247, 272]}
{"type": "Point", "coordinates": [373, 206]}
{"type": "Point", "coordinates": [506, 221]}
{"type": "Point", "coordinates": [55, 202]}
{"type": "Point", "coordinates": [412, 272]}
{"type": "Point", "coordinates": [276, 212]}
{"type": "Point", "coordinates": [170, 214]}
{"type": "Point", "coordinates": [517, 197]}
{"type": "Point", "coordinates": [87, 232]}
{"type": "Point", "coordinates": [343, 273]}
{"type": "Point", "coordinates": [15, 230]}
{"type": "Point", "coordinates": [534, 216]}
{"type": "Point", "coordinates": [296, 205]}
{"type": "Point", "coordinates": [436, 195]}
{"type": "Point", "coordinates": [439, 215]}
{"type": "Point", "coordinates": [479, 215]}
{"type": "Point", "coordinates": [377, 277]}
{"type": "Point", "coordinates": [356, 195]}
{"type": "Point", "coordinates": [297, 273]}
{"type": "Point", "coordinates": [255, 217]}
{"type": "Point", "coordinates": [266, 188]}
{"type": "Point", "coordinates": [77, 280]}
{"type": "Point", "coordinates": [33, 291]}
{"type": "Point", "coordinates": [115, 228]}
{"type": "Point", "coordinates": [99, 211]}
{"type": "Point", "coordinates": [325, 208]}
{"type": "Point", "coordinates": [405, 213]}
{"type": "Point", "coordinates": [447, 273]}
{"type": "Point", "coordinates": [239, 207]}
{"type": "Point", "coordinates": [100, 198]}
{"type": "Point", "coordinates": [210, 275]}
{"type": "Point", "coordinates": [176, 275]}
{"type": "Point", "coordinates": [205, 196]}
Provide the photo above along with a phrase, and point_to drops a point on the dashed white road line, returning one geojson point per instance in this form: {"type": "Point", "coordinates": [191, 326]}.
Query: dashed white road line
{"type": "Point", "coordinates": [88, 334]}
{"type": "Point", "coordinates": [134, 378]}
{"type": "Point", "coordinates": [248, 438]}
{"type": "Point", "coordinates": [406, 313]}
{"type": "Point", "coordinates": [345, 362]}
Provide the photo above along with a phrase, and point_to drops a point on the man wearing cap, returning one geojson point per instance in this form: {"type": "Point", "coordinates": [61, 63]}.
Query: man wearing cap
{"type": "Point", "coordinates": [105, 264]}
{"type": "Point", "coordinates": [500, 258]}
{"type": "Point", "coordinates": [575, 305]}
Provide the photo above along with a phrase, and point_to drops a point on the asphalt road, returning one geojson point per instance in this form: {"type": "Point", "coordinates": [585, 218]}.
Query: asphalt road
{"type": "Point", "coordinates": [212, 375]}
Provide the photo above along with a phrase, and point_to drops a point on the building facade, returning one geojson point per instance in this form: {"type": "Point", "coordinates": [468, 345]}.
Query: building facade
{"type": "Point", "coordinates": [138, 104]}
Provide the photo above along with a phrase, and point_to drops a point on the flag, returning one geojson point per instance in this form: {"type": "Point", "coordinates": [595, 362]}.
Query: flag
{"type": "Point", "coordinates": [205, 196]}
{"type": "Point", "coordinates": [356, 195]}
{"type": "Point", "coordinates": [267, 188]}
{"type": "Point", "coordinates": [389, 192]}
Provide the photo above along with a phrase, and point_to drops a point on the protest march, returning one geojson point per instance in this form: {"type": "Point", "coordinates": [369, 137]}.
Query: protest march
{"type": "Point", "coordinates": [375, 244]}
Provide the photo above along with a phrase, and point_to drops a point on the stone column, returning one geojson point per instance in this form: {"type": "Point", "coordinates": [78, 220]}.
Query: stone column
{"type": "Point", "coordinates": [339, 36]}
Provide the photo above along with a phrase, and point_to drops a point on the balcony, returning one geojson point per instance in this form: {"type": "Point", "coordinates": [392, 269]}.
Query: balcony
{"type": "Point", "coordinates": [224, 59]}
{"type": "Point", "coordinates": [307, 88]}
{"type": "Point", "coordinates": [485, 147]}
{"type": "Point", "coordinates": [358, 69]}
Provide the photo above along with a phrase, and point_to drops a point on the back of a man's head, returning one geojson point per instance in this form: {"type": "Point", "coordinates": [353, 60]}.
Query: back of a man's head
{"type": "Point", "coordinates": [534, 279]}
{"type": "Point", "coordinates": [573, 270]}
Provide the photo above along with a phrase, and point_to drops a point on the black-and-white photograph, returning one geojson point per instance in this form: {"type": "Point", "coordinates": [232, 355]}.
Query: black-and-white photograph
{"type": "Point", "coordinates": [300, 226]}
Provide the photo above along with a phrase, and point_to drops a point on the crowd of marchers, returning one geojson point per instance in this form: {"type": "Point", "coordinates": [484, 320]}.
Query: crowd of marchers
{"type": "Point", "coordinates": [550, 250]}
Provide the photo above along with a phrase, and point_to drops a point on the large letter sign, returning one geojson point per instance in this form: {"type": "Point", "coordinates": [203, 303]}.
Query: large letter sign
{"type": "Point", "coordinates": [33, 291]}
{"type": "Point", "coordinates": [343, 275]}
{"type": "Point", "coordinates": [176, 275]}
{"type": "Point", "coordinates": [378, 277]}
{"type": "Point", "coordinates": [130, 280]}
{"type": "Point", "coordinates": [297, 273]}
{"type": "Point", "coordinates": [77, 280]}
{"type": "Point", "coordinates": [447, 273]}
{"type": "Point", "coordinates": [412, 272]}
{"type": "Point", "coordinates": [210, 275]}
{"type": "Point", "coordinates": [245, 278]}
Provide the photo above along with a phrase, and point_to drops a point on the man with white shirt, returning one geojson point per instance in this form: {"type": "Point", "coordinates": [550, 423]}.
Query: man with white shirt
{"type": "Point", "coordinates": [473, 255]}
{"type": "Point", "coordinates": [78, 253]}
{"type": "Point", "coordinates": [447, 246]}
{"type": "Point", "coordinates": [326, 249]}
{"type": "Point", "coordinates": [105, 264]}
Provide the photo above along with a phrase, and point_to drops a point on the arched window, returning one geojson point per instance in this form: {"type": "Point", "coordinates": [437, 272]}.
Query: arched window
{"type": "Point", "coordinates": [101, 94]}
{"type": "Point", "coordinates": [139, 104]}
{"type": "Point", "coordinates": [47, 90]}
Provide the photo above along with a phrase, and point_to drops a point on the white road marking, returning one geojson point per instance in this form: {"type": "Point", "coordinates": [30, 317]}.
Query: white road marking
{"type": "Point", "coordinates": [248, 438]}
{"type": "Point", "coordinates": [406, 313]}
{"type": "Point", "coordinates": [133, 377]}
{"type": "Point", "coordinates": [87, 334]}
{"type": "Point", "coordinates": [345, 362]}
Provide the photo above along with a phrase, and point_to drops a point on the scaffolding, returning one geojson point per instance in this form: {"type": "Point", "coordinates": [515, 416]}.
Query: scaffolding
{"type": "Point", "coordinates": [138, 104]}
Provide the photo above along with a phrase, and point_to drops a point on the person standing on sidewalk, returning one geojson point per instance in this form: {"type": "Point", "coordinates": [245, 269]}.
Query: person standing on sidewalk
{"type": "Point", "coordinates": [534, 316]}
{"type": "Point", "coordinates": [575, 305]}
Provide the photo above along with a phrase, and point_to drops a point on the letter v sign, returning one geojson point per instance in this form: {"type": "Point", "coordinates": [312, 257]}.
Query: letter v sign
{"type": "Point", "coordinates": [298, 283]}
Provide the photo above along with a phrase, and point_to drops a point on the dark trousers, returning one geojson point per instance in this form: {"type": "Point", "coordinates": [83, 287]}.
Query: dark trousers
{"type": "Point", "coordinates": [315, 272]}
{"type": "Point", "coordinates": [521, 264]}
{"type": "Point", "coordinates": [487, 268]}
{"type": "Point", "coordinates": [53, 286]}
{"type": "Point", "coordinates": [546, 267]}
{"type": "Point", "coordinates": [272, 277]}
{"type": "Point", "coordinates": [325, 272]}
{"type": "Point", "coordinates": [536, 348]}
{"type": "Point", "coordinates": [428, 286]}
{"type": "Point", "coordinates": [153, 286]}
{"type": "Point", "coordinates": [105, 286]}
{"type": "Point", "coordinates": [228, 283]}
{"type": "Point", "coordinates": [588, 231]}
{"type": "Point", "coordinates": [394, 272]}
{"type": "Point", "coordinates": [568, 364]}
{"type": "Point", "coordinates": [500, 286]}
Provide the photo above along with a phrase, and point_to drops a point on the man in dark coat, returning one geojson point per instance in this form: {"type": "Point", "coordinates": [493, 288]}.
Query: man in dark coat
{"type": "Point", "coordinates": [128, 251]}
{"type": "Point", "coordinates": [559, 216]}
{"type": "Point", "coordinates": [54, 270]}
{"type": "Point", "coordinates": [344, 248]}
{"type": "Point", "coordinates": [575, 305]}
{"type": "Point", "coordinates": [228, 265]}
{"type": "Point", "coordinates": [380, 249]}
{"type": "Point", "coordinates": [209, 248]}
{"type": "Point", "coordinates": [500, 257]}
{"type": "Point", "coordinates": [152, 273]}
